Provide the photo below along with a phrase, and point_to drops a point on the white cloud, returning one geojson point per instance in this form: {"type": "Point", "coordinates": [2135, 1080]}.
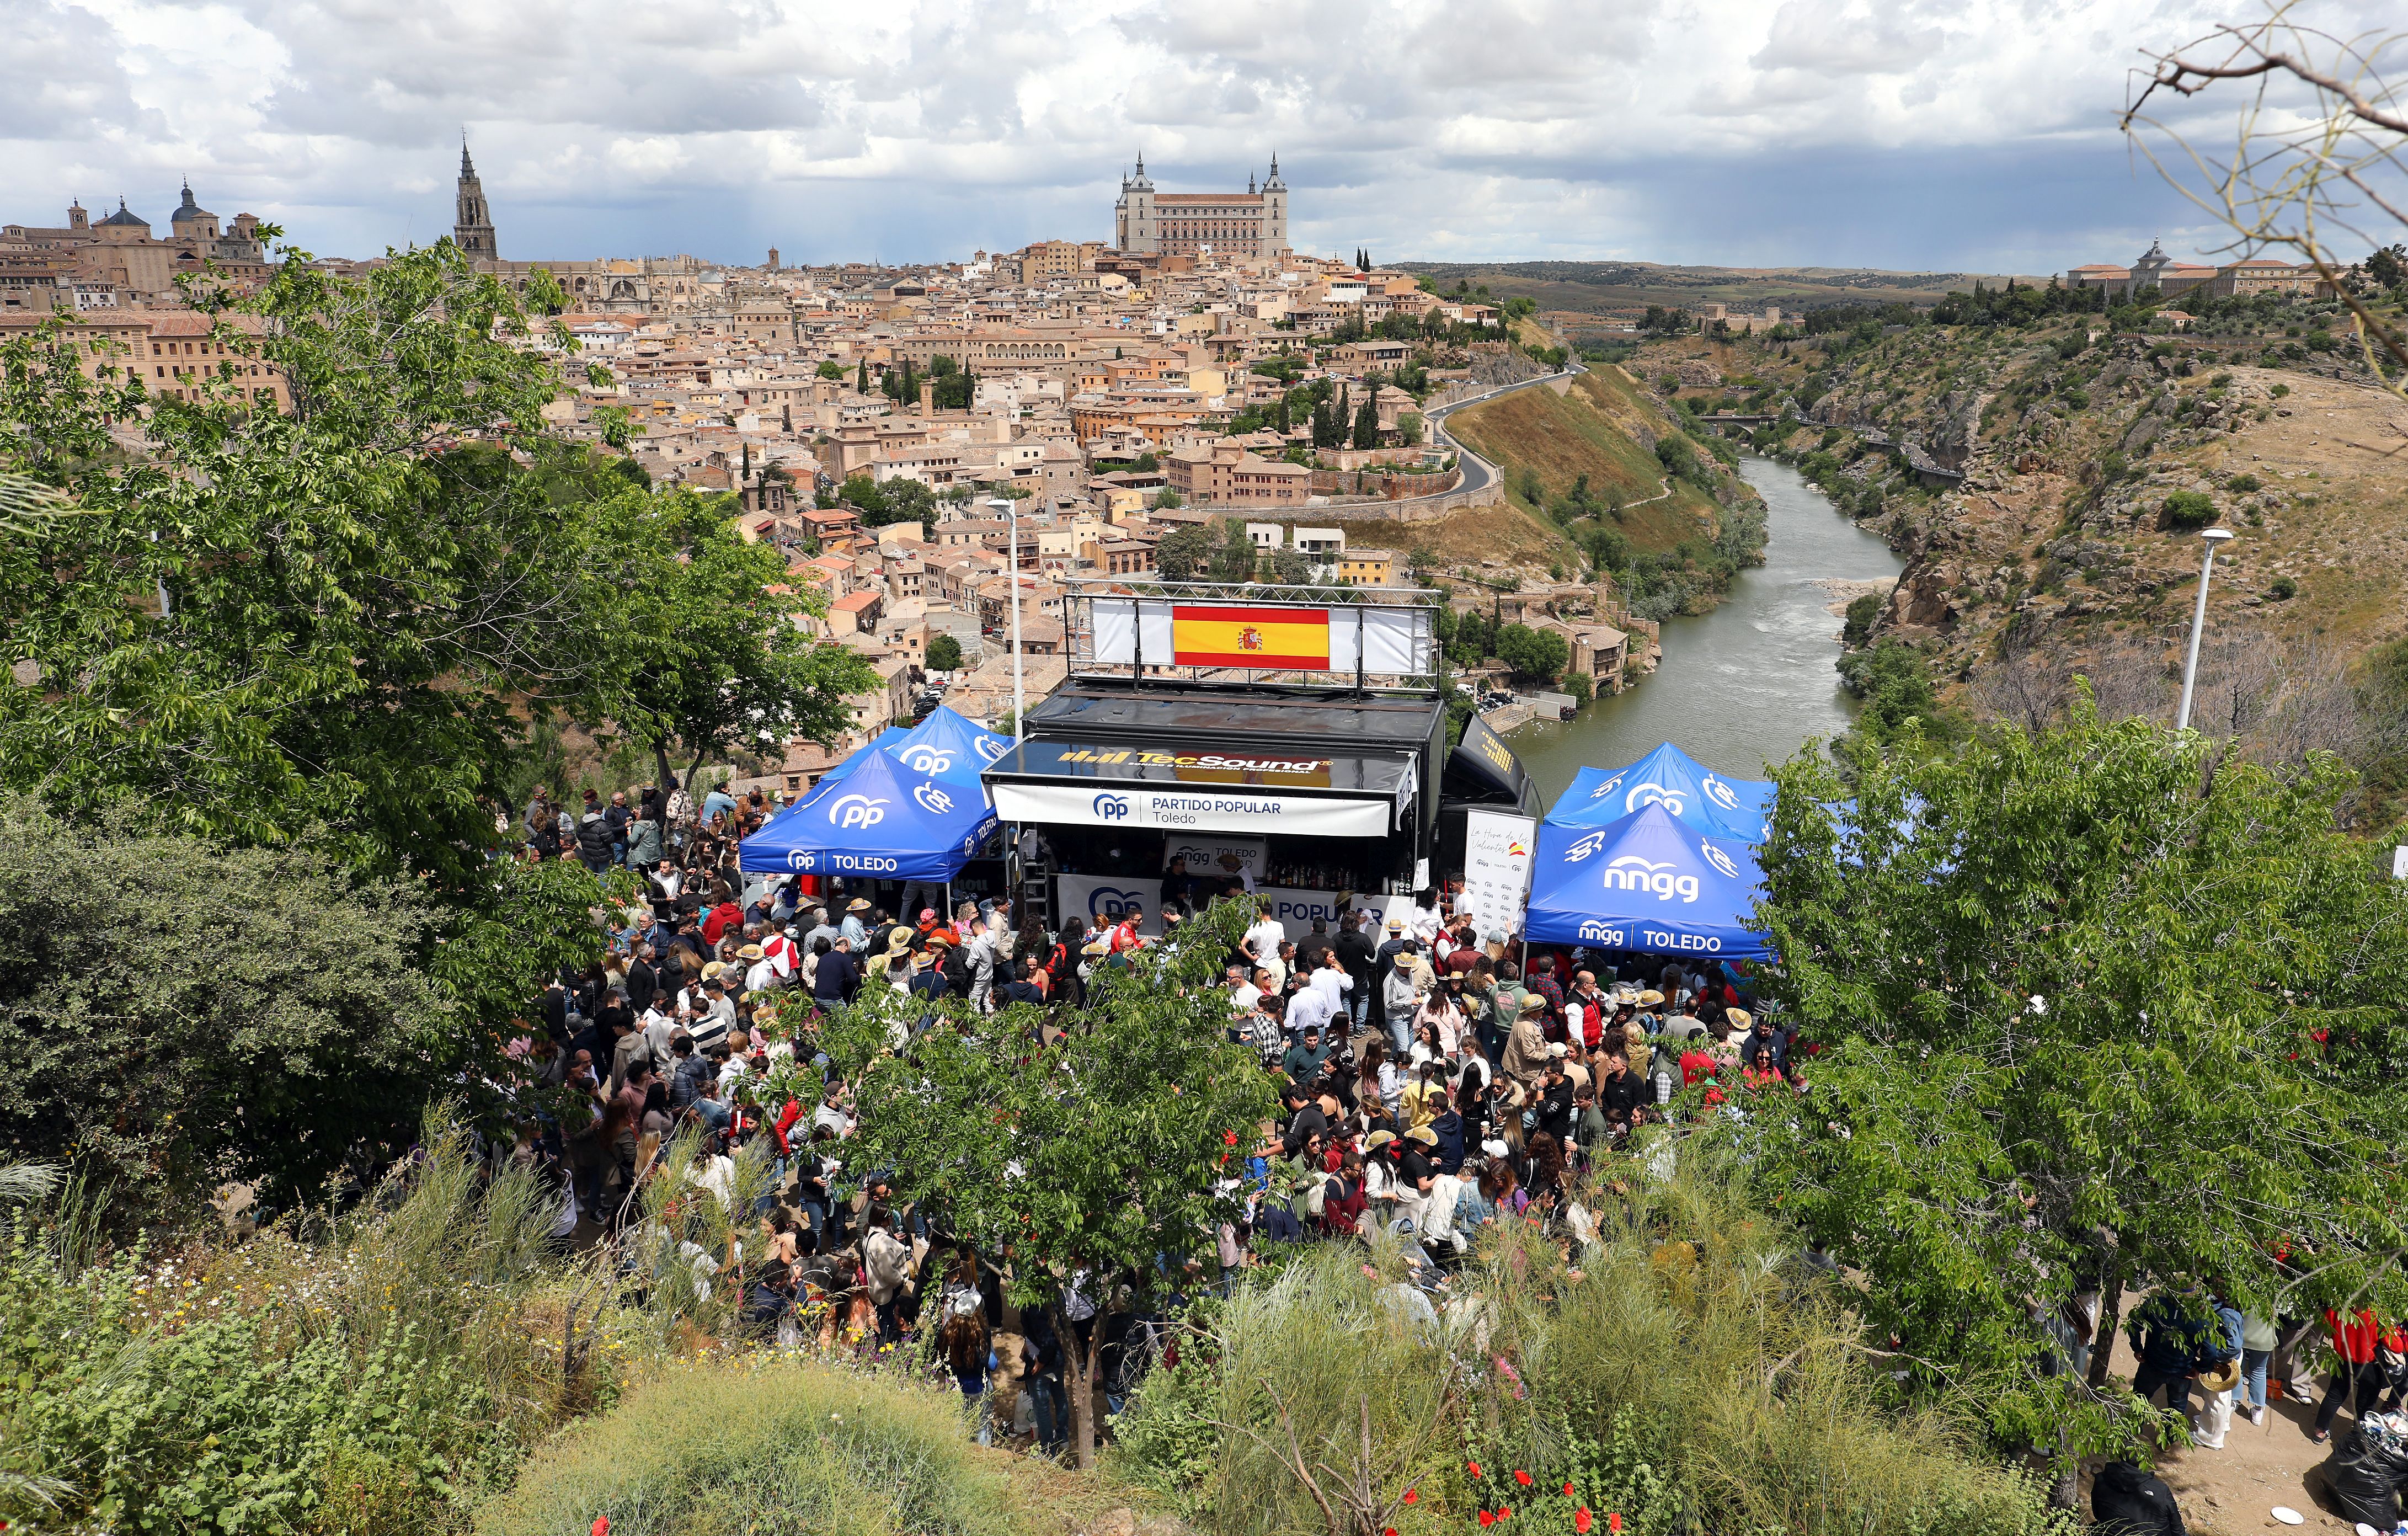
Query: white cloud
{"type": "Point", "coordinates": [928, 128]}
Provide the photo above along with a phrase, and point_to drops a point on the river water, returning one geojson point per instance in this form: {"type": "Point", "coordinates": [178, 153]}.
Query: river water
{"type": "Point", "coordinates": [1750, 683]}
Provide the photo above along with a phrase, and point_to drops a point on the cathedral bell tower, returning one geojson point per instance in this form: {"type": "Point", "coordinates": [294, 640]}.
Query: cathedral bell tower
{"type": "Point", "coordinates": [472, 225]}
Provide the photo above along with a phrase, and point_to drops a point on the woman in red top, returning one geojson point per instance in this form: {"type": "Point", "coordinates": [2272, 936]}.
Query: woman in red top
{"type": "Point", "coordinates": [2357, 1370]}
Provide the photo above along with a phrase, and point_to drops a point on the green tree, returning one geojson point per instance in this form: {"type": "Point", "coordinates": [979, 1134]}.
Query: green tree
{"type": "Point", "coordinates": [831, 369]}
{"type": "Point", "coordinates": [1183, 553]}
{"type": "Point", "coordinates": [1095, 1158]}
{"type": "Point", "coordinates": [861, 378]}
{"type": "Point", "coordinates": [176, 1014]}
{"type": "Point", "coordinates": [1864, 610]}
{"type": "Point", "coordinates": [1408, 427]}
{"type": "Point", "coordinates": [1237, 558]}
{"type": "Point", "coordinates": [2093, 1012]}
{"type": "Point", "coordinates": [944, 654]}
{"type": "Point", "coordinates": [2190, 510]}
{"type": "Point", "coordinates": [1367, 421]}
{"type": "Point", "coordinates": [719, 661]}
{"type": "Point", "coordinates": [1292, 566]}
{"type": "Point", "coordinates": [1895, 682]}
{"type": "Point", "coordinates": [330, 618]}
{"type": "Point", "coordinates": [1539, 653]}
{"type": "Point", "coordinates": [1147, 463]}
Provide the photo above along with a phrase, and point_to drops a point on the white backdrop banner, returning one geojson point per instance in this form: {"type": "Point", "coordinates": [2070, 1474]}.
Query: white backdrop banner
{"type": "Point", "coordinates": [1221, 857]}
{"type": "Point", "coordinates": [1191, 809]}
{"type": "Point", "coordinates": [1115, 621]}
{"type": "Point", "coordinates": [1107, 897]}
{"type": "Point", "coordinates": [1496, 849]}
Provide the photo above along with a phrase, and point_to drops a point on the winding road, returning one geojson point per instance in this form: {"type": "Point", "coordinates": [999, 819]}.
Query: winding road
{"type": "Point", "coordinates": [1478, 473]}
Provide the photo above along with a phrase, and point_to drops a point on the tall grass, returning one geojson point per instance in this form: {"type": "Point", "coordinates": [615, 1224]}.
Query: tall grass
{"type": "Point", "coordinates": [725, 1448]}
{"type": "Point", "coordinates": [1683, 1367]}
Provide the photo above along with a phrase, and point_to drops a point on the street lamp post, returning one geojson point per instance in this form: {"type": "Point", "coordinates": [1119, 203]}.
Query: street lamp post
{"type": "Point", "coordinates": [2198, 623]}
{"type": "Point", "coordinates": [1011, 510]}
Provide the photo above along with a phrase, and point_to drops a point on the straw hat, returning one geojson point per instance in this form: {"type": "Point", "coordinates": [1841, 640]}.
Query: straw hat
{"type": "Point", "coordinates": [858, 904]}
{"type": "Point", "coordinates": [1422, 1134]}
{"type": "Point", "coordinates": [1650, 996]}
{"type": "Point", "coordinates": [750, 951]}
{"type": "Point", "coordinates": [1377, 1140]}
{"type": "Point", "coordinates": [1741, 1017]}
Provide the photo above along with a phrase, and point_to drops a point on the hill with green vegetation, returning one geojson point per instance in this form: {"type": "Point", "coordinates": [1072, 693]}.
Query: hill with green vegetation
{"type": "Point", "coordinates": [1630, 285]}
{"type": "Point", "coordinates": [2094, 446]}
{"type": "Point", "coordinates": [1629, 488]}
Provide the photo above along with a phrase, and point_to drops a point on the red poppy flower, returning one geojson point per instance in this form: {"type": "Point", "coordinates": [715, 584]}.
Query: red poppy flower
{"type": "Point", "coordinates": [601, 1524]}
{"type": "Point", "coordinates": [1521, 1477]}
{"type": "Point", "coordinates": [1486, 1519]}
{"type": "Point", "coordinates": [1412, 1496]}
{"type": "Point", "coordinates": [1389, 1531]}
{"type": "Point", "coordinates": [1614, 1522]}
{"type": "Point", "coordinates": [1581, 1521]}
{"type": "Point", "coordinates": [1568, 1490]}
{"type": "Point", "coordinates": [1229, 1137]}
{"type": "Point", "coordinates": [1475, 1467]}
{"type": "Point", "coordinates": [1504, 1514]}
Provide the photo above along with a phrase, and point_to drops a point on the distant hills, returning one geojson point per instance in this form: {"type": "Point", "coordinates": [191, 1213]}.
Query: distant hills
{"type": "Point", "coordinates": [1601, 286]}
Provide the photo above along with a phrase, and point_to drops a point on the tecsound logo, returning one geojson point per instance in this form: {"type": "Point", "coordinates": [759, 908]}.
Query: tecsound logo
{"type": "Point", "coordinates": [856, 811]}
{"type": "Point", "coordinates": [1112, 808]}
{"type": "Point", "coordinates": [1632, 873]}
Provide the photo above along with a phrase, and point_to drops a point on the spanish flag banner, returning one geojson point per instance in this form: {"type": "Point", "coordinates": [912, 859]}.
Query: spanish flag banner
{"type": "Point", "coordinates": [1283, 638]}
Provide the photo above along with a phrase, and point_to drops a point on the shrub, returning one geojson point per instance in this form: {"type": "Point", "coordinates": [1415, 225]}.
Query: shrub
{"type": "Point", "coordinates": [1862, 611]}
{"type": "Point", "coordinates": [2283, 589]}
{"type": "Point", "coordinates": [379, 1382]}
{"type": "Point", "coordinates": [2190, 510]}
{"type": "Point", "coordinates": [765, 1444]}
{"type": "Point", "coordinates": [2243, 484]}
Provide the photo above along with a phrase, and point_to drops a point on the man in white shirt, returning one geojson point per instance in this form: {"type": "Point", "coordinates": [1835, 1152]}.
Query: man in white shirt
{"type": "Point", "coordinates": [1423, 919]}
{"type": "Point", "coordinates": [1331, 978]}
{"type": "Point", "coordinates": [1249, 991]}
{"type": "Point", "coordinates": [1310, 1008]}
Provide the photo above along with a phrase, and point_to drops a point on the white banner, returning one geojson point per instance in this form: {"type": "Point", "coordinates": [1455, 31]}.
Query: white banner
{"type": "Point", "coordinates": [1107, 897]}
{"type": "Point", "coordinates": [1200, 808]}
{"type": "Point", "coordinates": [1496, 849]}
{"type": "Point", "coordinates": [1115, 621]}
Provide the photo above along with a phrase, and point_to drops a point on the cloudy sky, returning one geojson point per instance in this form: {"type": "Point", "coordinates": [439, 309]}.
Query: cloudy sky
{"type": "Point", "coordinates": [1951, 134]}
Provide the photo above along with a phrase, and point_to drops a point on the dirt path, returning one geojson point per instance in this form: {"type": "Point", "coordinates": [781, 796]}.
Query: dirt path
{"type": "Point", "coordinates": [2227, 1492]}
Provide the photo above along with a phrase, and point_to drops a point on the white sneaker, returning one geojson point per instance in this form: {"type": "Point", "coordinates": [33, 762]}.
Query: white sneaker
{"type": "Point", "coordinates": [2256, 1414]}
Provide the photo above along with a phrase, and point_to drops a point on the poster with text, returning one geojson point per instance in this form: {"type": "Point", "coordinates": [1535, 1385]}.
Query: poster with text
{"type": "Point", "coordinates": [1497, 868]}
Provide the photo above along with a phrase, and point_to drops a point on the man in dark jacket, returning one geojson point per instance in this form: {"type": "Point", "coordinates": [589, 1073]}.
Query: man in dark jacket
{"type": "Point", "coordinates": [1360, 956]}
{"type": "Point", "coordinates": [594, 840]}
{"type": "Point", "coordinates": [837, 978]}
{"type": "Point", "coordinates": [1448, 1128]}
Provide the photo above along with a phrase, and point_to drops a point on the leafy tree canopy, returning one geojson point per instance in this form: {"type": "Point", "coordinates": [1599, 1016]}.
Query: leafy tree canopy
{"type": "Point", "coordinates": [2095, 1014]}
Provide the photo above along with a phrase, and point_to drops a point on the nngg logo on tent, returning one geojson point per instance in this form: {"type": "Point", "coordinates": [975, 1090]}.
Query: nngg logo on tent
{"type": "Point", "coordinates": [1632, 873]}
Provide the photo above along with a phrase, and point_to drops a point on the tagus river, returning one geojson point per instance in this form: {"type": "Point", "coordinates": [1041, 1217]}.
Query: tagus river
{"type": "Point", "coordinates": [1748, 684]}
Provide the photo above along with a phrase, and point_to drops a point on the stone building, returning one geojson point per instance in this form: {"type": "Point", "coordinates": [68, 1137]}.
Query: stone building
{"type": "Point", "coordinates": [1147, 222]}
{"type": "Point", "coordinates": [637, 285]}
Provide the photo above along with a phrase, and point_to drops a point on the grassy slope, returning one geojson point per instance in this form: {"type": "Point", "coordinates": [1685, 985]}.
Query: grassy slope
{"type": "Point", "coordinates": [1589, 429]}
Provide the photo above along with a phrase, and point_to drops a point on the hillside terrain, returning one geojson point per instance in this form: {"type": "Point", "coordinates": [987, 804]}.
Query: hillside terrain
{"type": "Point", "coordinates": [1621, 285]}
{"type": "Point", "coordinates": [2092, 454]}
{"type": "Point", "coordinates": [1622, 487]}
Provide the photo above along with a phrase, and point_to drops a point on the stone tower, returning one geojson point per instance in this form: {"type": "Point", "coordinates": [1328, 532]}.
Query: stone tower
{"type": "Point", "coordinates": [1136, 229]}
{"type": "Point", "coordinates": [472, 227]}
{"type": "Point", "coordinates": [1275, 209]}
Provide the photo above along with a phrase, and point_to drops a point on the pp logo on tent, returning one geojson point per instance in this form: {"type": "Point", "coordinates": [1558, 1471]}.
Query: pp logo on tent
{"type": "Point", "coordinates": [1601, 791]}
{"type": "Point", "coordinates": [1104, 901]}
{"type": "Point", "coordinates": [1595, 932]}
{"type": "Point", "coordinates": [932, 798]}
{"type": "Point", "coordinates": [856, 811]}
{"type": "Point", "coordinates": [801, 858]}
{"type": "Point", "coordinates": [1652, 793]}
{"type": "Point", "coordinates": [927, 760]}
{"type": "Point", "coordinates": [1112, 808]}
{"type": "Point", "coordinates": [1632, 873]}
{"type": "Point", "coordinates": [1583, 848]}
{"type": "Point", "coordinates": [991, 748]}
{"type": "Point", "coordinates": [1720, 793]}
{"type": "Point", "coordinates": [1719, 859]}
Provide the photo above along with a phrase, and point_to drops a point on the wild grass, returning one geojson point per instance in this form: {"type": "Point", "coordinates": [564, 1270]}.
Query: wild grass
{"type": "Point", "coordinates": [1683, 1367]}
{"type": "Point", "coordinates": [728, 1448]}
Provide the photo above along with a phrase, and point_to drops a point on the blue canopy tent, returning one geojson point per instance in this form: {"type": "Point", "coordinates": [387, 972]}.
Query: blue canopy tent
{"type": "Point", "coordinates": [946, 746]}
{"type": "Point", "coordinates": [1713, 803]}
{"type": "Point", "coordinates": [881, 819]}
{"type": "Point", "coordinates": [1645, 883]}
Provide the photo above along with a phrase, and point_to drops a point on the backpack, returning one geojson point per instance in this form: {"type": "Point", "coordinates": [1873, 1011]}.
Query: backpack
{"type": "Point", "coordinates": [2127, 1501]}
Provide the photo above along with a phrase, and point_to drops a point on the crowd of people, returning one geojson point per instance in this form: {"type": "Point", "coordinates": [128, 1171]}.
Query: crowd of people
{"type": "Point", "coordinates": [1431, 1078]}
